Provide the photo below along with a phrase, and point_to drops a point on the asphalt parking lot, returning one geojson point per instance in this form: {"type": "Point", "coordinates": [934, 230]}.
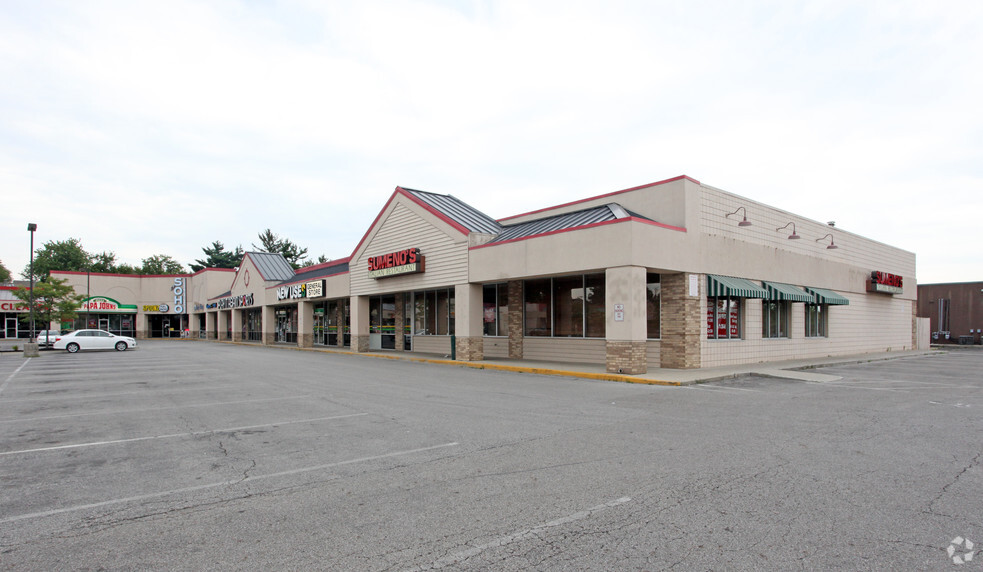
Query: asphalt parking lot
{"type": "Point", "coordinates": [207, 456]}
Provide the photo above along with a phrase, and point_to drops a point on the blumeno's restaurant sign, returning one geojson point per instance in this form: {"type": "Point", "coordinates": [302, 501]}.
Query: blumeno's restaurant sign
{"type": "Point", "coordinates": [408, 261]}
{"type": "Point", "coordinates": [885, 283]}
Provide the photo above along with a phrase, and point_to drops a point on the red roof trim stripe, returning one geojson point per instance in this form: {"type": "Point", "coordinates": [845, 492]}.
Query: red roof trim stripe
{"type": "Point", "coordinates": [586, 226]}
{"type": "Point", "coordinates": [602, 196]}
{"type": "Point", "coordinates": [301, 281]}
{"type": "Point", "coordinates": [76, 273]}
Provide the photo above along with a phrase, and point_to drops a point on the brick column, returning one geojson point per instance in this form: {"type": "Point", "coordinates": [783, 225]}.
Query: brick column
{"type": "Point", "coordinates": [515, 319]}
{"type": "Point", "coordinates": [468, 316]}
{"type": "Point", "coordinates": [625, 325]}
{"type": "Point", "coordinates": [339, 310]}
{"type": "Point", "coordinates": [400, 321]}
{"type": "Point", "coordinates": [683, 323]}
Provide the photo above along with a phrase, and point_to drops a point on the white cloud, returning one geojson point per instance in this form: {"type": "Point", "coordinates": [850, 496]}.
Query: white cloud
{"type": "Point", "coordinates": [171, 125]}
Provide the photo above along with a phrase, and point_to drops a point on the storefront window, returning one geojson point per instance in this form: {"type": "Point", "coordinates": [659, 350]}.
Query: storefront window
{"type": "Point", "coordinates": [816, 317]}
{"type": "Point", "coordinates": [596, 326]}
{"type": "Point", "coordinates": [723, 318]}
{"type": "Point", "coordinates": [774, 319]}
{"type": "Point", "coordinates": [433, 312]}
{"type": "Point", "coordinates": [567, 306]}
{"type": "Point", "coordinates": [538, 308]}
{"type": "Point", "coordinates": [253, 321]}
{"type": "Point", "coordinates": [495, 303]}
{"type": "Point", "coordinates": [653, 305]}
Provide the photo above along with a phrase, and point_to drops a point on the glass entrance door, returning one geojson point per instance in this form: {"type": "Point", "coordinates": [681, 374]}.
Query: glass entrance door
{"type": "Point", "coordinates": [104, 324]}
{"type": "Point", "coordinates": [10, 328]}
{"type": "Point", "coordinates": [319, 333]}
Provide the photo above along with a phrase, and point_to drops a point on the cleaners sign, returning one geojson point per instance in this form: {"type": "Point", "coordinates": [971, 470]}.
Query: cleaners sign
{"type": "Point", "coordinates": [408, 261]}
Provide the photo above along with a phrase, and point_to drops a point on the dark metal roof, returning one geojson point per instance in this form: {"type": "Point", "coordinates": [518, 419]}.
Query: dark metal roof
{"type": "Point", "coordinates": [319, 271]}
{"type": "Point", "coordinates": [566, 221]}
{"type": "Point", "coordinates": [273, 266]}
{"type": "Point", "coordinates": [458, 211]}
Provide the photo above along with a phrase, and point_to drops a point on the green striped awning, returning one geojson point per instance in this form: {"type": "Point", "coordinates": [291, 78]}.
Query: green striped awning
{"type": "Point", "coordinates": [787, 292]}
{"type": "Point", "coordinates": [823, 296]}
{"type": "Point", "coordinates": [736, 287]}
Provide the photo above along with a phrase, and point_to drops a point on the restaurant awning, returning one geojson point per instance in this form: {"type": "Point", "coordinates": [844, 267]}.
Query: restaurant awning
{"type": "Point", "coordinates": [787, 292]}
{"type": "Point", "coordinates": [736, 287]}
{"type": "Point", "coordinates": [823, 296]}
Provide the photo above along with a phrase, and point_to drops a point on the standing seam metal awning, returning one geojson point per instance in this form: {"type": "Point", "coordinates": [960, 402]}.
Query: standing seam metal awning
{"type": "Point", "coordinates": [787, 292]}
{"type": "Point", "coordinates": [737, 287]}
{"type": "Point", "coordinates": [823, 296]}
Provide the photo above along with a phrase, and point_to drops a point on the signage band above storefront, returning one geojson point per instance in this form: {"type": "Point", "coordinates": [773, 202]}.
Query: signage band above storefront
{"type": "Point", "coordinates": [408, 261]}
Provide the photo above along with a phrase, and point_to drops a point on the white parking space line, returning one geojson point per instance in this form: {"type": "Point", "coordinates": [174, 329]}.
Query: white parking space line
{"type": "Point", "coordinates": [457, 558]}
{"type": "Point", "coordinates": [11, 376]}
{"type": "Point", "coordinates": [120, 412]}
{"type": "Point", "coordinates": [173, 435]}
{"type": "Point", "coordinates": [222, 484]}
{"type": "Point", "coordinates": [61, 397]}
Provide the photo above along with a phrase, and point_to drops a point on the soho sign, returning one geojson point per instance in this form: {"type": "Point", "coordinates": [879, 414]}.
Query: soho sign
{"type": "Point", "coordinates": [178, 289]}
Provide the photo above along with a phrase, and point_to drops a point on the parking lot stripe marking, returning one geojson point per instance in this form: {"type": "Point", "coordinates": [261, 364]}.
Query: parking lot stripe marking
{"type": "Point", "coordinates": [459, 557]}
{"type": "Point", "coordinates": [11, 376]}
{"type": "Point", "coordinates": [212, 404]}
{"type": "Point", "coordinates": [173, 435]}
{"type": "Point", "coordinates": [148, 496]}
{"type": "Point", "coordinates": [103, 395]}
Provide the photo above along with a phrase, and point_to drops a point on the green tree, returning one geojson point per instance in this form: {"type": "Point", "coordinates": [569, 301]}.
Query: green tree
{"type": "Point", "coordinates": [161, 264]}
{"type": "Point", "coordinates": [4, 273]}
{"type": "Point", "coordinates": [218, 257]}
{"type": "Point", "coordinates": [58, 255]}
{"type": "Point", "coordinates": [103, 262]}
{"type": "Point", "coordinates": [54, 300]}
{"type": "Point", "coordinates": [272, 243]}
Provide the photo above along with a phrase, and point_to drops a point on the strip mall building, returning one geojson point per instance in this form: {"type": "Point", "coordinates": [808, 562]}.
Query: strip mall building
{"type": "Point", "coordinates": [674, 274]}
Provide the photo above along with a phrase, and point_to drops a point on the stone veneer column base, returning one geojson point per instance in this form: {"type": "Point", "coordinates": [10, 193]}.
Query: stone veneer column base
{"type": "Point", "coordinates": [626, 357]}
{"type": "Point", "coordinates": [360, 344]}
{"type": "Point", "coordinates": [515, 319]}
{"type": "Point", "coordinates": [470, 349]}
{"type": "Point", "coordinates": [236, 336]}
{"type": "Point", "coordinates": [306, 340]}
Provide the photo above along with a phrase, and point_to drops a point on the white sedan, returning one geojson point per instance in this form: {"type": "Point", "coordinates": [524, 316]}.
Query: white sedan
{"type": "Point", "coordinates": [93, 340]}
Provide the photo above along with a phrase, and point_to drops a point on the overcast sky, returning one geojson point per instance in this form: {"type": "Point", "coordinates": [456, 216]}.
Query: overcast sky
{"type": "Point", "coordinates": [158, 127]}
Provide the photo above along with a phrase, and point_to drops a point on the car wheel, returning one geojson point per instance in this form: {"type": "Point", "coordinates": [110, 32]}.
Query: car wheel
{"type": "Point", "coordinates": [72, 348]}
{"type": "Point", "coordinates": [120, 346]}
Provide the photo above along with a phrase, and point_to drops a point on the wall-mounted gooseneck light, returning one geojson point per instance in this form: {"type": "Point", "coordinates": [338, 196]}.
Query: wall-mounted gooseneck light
{"type": "Point", "coordinates": [831, 246]}
{"type": "Point", "coordinates": [792, 236]}
{"type": "Point", "coordinates": [744, 222]}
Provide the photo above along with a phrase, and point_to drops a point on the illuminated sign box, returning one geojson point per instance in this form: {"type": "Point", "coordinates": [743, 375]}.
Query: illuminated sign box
{"type": "Point", "coordinates": [885, 283]}
{"type": "Point", "coordinates": [408, 261]}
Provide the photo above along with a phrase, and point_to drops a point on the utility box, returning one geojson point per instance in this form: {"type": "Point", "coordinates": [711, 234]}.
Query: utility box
{"type": "Point", "coordinates": [965, 340]}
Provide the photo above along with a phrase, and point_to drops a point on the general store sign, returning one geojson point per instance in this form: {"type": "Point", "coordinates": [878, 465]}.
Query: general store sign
{"type": "Point", "coordinates": [313, 289]}
{"type": "Point", "coordinates": [408, 261]}
{"type": "Point", "coordinates": [885, 283]}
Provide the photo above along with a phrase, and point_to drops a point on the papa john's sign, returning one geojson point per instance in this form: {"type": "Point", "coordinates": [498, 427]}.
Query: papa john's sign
{"type": "Point", "coordinates": [408, 261]}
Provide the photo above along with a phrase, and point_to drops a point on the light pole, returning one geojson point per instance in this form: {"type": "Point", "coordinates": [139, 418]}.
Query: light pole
{"type": "Point", "coordinates": [31, 227]}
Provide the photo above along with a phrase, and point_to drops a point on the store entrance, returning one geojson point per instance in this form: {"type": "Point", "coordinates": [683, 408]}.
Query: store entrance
{"type": "Point", "coordinates": [165, 326]}
{"type": "Point", "coordinates": [319, 333]}
{"type": "Point", "coordinates": [10, 328]}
